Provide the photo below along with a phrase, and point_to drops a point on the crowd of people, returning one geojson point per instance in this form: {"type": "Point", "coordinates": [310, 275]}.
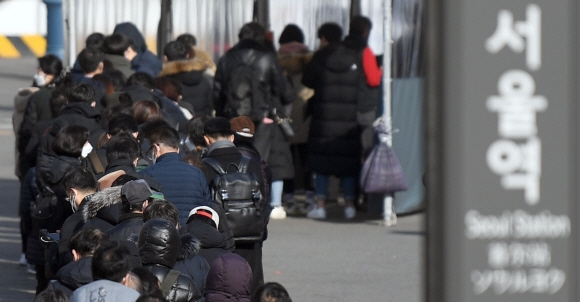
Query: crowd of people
{"type": "Point", "coordinates": [154, 180]}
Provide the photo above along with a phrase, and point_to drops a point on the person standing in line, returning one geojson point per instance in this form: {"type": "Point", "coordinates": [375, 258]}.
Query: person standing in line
{"type": "Point", "coordinates": [266, 104]}
{"type": "Point", "coordinates": [342, 99]}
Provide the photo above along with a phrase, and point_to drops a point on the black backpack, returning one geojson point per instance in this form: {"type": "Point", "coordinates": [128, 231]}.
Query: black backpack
{"type": "Point", "coordinates": [44, 206]}
{"type": "Point", "coordinates": [239, 194]}
{"type": "Point", "coordinates": [244, 95]}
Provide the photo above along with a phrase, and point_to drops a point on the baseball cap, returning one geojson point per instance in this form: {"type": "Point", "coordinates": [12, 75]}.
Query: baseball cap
{"type": "Point", "coordinates": [243, 125]}
{"type": "Point", "coordinates": [137, 191]}
{"type": "Point", "coordinates": [213, 215]}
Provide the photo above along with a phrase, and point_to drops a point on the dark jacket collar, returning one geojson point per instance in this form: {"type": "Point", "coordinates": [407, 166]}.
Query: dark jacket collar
{"type": "Point", "coordinates": [169, 157]}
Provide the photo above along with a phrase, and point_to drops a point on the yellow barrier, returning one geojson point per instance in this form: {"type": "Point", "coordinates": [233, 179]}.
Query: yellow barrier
{"type": "Point", "coordinates": [12, 47]}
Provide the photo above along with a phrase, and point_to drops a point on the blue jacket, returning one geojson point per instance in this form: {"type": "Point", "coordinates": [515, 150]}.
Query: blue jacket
{"type": "Point", "coordinates": [184, 185]}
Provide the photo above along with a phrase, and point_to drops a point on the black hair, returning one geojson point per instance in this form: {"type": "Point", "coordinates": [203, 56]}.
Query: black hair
{"type": "Point", "coordinates": [195, 129]}
{"type": "Point", "coordinates": [165, 135]}
{"type": "Point", "coordinates": [58, 101]}
{"type": "Point", "coordinates": [81, 179]}
{"type": "Point", "coordinates": [90, 58]}
{"type": "Point", "coordinates": [81, 93]}
{"type": "Point", "coordinates": [123, 146]}
{"type": "Point", "coordinates": [50, 64]}
{"type": "Point", "coordinates": [51, 295]}
{"type": "Point", "coordinates": [122, 122]}
{"type": "Point", "coordinates": [70, 140]}
{"type": "Point", "coordinates": [331, 31]}
{"type": "Point", "coordinates": [116, 44]}
{"type": "Point", "coordinates": [271, 291]}
{"type": "Point", "coordinates": [111, 262]}
{"type": "Point", "coordinates": [123, 179]}
{"type": "Point", "coordinates": [218, 127]}
{"type": "Point", "coordinates": [118, 78]}
{"type": "Point", "coordinates": [359, 25]}
{"type": "Point", "coordinates": [161, 209]}
{"type": "Point", "coordinates": [87, 241]}
{"type": "Point", "coordinates": [176, 50]}
{"type": "Point", "coordinates": [291, 33]}
{"type": "Point", "coordinates": [149, 282]}
{"type": "Point", "coordinates": [142, 79]}
{"type": "Point", "coordinates": [95, 40]}
{"type": "Point", "coordinates": [253, 31]}
{"type": "Point", "coordinates": [187, 39]}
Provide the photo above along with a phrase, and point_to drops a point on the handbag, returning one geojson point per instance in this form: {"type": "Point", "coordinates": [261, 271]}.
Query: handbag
{"type": "Point", "coordinates": [286, 126]}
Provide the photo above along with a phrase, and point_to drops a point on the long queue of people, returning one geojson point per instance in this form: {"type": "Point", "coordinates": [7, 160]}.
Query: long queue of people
{"type": "Point", "coordinates": [134, 162]}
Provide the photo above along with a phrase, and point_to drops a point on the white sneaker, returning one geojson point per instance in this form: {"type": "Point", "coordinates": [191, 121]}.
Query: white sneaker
{"type": "Point", "coordinates": [22, 260]}
{"type": "Point", "coordinates": [278, 213]}
{"type": "Point", "coordinates": [30, 269]}
{"type": "Point", "coordinates": [349, 212]}
{"type": "Point", "coordinates": [317, 213]}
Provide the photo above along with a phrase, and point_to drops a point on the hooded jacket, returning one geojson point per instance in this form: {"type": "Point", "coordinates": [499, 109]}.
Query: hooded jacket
{"type": "Point", "coordinates": [72, 276]}
{"type": "Point", "coordinates": [103, 209]}
{"type": "Point", "coordinates": [159, 246]}
{"type": "Point", "coordinates": [104, 291]}
{"type": "Point", "coordinates": [334, 138]}
{"type": "Point", "coordinates": [211, 241]}
{"type": "Point", "coordinates": [190, 263]}
{"type": "Point", "coordinates": [197, 89]}
{"type": "Point", "coordinates": [145, 60]}
{"type": "Point", "coordinates": [80, 114]}
{"type": "Point", "coordinates": [229, 279]}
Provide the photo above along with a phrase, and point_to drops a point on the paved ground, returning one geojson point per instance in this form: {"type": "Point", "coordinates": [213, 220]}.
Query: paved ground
{"type": "Point", "coordinates": [318, 261]}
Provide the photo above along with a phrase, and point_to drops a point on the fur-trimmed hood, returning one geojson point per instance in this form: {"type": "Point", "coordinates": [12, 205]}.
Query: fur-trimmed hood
{"type": "Point", "coordinates": [189, 247]}
{"type": "Point", "coordinates": [101, 200]}
{"type": "Point", "coordinates": [180, 66]}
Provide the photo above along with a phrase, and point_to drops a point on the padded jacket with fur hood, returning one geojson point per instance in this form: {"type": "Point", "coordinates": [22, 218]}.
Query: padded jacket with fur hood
{"type": "Point", "coordinates": [159, 246]}
{"type": "Point", "coordinates": [197, 88]}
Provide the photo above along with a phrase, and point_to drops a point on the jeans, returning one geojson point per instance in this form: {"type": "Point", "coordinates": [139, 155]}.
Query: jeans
{"type": "Point", "coordinates": [347, 183]}
{"type": "Point", "coordinates": [276, 194]}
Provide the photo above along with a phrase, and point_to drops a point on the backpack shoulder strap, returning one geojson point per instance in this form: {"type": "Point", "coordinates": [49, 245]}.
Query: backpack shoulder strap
{"type": "Point", "coordinates": [169, 280]}
{"type": "Point", "coordinates": [244, 163]}
{"type": "Point", "coordinates": [214, 164]}
{"type": "Point", "coordinates": [96, 161]}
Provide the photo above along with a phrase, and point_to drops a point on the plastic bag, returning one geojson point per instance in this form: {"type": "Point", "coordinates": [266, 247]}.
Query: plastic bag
{"type": "Point", "coordinates": [382, 171]}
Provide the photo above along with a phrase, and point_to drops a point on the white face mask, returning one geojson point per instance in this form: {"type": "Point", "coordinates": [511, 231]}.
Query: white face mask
{"type": "Point", "coordinates": [87, 148]}
{"type": "Point", "coordinates": [39, 80]}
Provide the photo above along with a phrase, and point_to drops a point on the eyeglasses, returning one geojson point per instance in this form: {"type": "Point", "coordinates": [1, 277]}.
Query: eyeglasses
{"type": "Point", "coordinates": [151, 153]}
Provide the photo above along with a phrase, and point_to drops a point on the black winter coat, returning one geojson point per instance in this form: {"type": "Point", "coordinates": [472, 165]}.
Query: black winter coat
{"type": "Point", "coordinates": [73, 276]}
{"type": "Point", "coordinates": [159, 246]}
{"type": "Point", "coordinates": [37, 110]}
{"type": "Point", "coordinates": [268, 70]}
{"type": "Point", "coordinates": [145, 60]}
{"type": "Point", "coordinates": [212, 243]}
{"type": "Point", "coordinates": [80, 114]}
{"type": "Point", "coordinates": [190, 263]}
{"type": "Point", "coordinates": [197, 89]}
{"type": "Point", "coordinates": [271, 143]}
{"type": "Point", "coordinates": [129, 225]}
{"type": "Point", "coordinates": [334, 139]}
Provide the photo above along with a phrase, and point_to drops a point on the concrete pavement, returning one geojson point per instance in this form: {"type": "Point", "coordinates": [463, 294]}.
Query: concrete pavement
{"type": "Point", "coordinates": [330, 260]}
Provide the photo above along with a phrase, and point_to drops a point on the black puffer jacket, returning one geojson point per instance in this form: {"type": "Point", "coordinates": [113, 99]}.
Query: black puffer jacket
{"type": "Point", "coordinates": [197, 89]}
{"type": "Point", "coordinates": [334, 137]}
{"type": "Point", "coordinates": [159, 245]}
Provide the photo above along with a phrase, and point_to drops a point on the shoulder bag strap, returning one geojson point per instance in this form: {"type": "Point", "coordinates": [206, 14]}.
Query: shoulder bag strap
{"type": "Point", "coordinates": [96, 161]}
{"type": "Point", "coordinates": [215, 165]}
{"type": "Point", "coordinates": [168, 281]}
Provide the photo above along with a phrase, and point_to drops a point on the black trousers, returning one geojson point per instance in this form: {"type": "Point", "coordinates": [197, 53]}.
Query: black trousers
{"type": "Point", "coordinates": [252, 252]}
